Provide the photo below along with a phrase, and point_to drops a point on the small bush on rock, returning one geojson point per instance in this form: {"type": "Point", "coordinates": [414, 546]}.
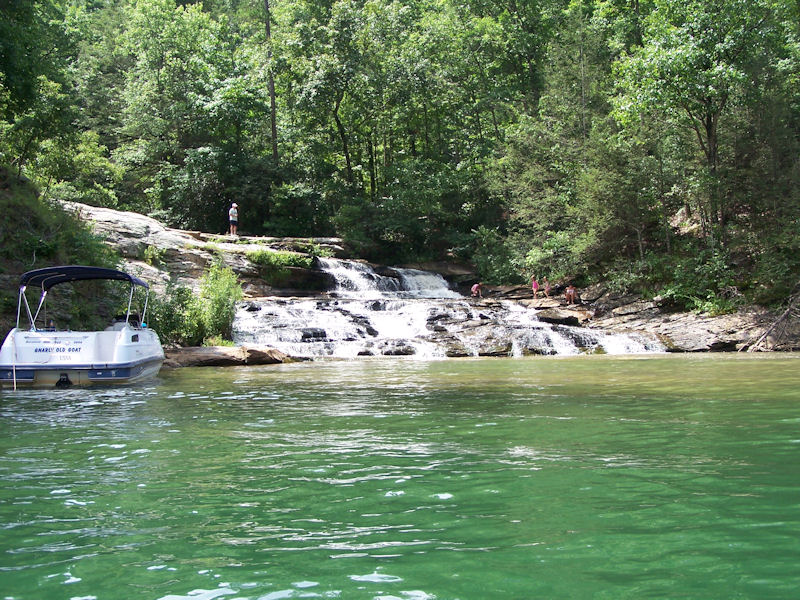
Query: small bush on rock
{"type": "Point", "coordinates": [183, 319]}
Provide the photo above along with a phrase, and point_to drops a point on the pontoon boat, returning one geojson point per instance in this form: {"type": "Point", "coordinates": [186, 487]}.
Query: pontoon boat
{"type": "Point", "coordinates": [126, 351]}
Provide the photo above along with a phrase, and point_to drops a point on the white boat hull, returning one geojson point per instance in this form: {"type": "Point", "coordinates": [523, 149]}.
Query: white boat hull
{"type": "Point", "coordinates": [121, 354]}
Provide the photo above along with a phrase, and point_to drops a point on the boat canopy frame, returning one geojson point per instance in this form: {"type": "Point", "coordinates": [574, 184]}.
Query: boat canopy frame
{"type": "Point", "coordinates": [48, 277]}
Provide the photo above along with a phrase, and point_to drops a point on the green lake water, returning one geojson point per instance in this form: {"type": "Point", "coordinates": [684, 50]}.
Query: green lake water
{"type": "Point", "coordinates": [588, 477]}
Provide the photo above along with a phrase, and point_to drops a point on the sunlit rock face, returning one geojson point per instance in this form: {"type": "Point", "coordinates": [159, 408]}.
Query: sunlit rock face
{"type": "Point", "coordinates": [161, 254]}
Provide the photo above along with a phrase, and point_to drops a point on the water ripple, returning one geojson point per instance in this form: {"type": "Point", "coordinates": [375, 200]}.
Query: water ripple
{"type": "Point", "coordinates": [465, 479]}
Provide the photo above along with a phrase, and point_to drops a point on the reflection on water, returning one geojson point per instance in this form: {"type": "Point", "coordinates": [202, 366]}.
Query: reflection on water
{"type": "Point", "coordinates": [627, 477]}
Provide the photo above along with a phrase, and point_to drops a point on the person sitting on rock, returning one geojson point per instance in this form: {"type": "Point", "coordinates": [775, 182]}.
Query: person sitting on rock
{"type": "Point", "coordinates": [476, 290]}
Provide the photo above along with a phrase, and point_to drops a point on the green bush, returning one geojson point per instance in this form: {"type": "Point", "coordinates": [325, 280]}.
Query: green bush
{"type": "Point", "coordinates": [175, 317]}
{"type": "Point", "coordinates": [153, 255]}
{"type": "Point", "coordinates": [220, 290]}
{"type": "Point", "coordinates": [703, 281]}
{"type": "Point", "coordinates": [693, 278]}
{"type": "Point", "coordinates": [36, 233]}
{"type": "Point", "coordinates": [554, 257]}
{"type": "Point", "coordinates": [181, 318]}
{"type": "Point", "coordinates": [274, 264]}
{"type": "Point", "coordinates": [216, 340]}
{"type": "Point", "coordinates": [40, 233]}
{"type": "Point", "coordinates": [776, 256]}
{"type": "Point", "coordinates": [315, 250]}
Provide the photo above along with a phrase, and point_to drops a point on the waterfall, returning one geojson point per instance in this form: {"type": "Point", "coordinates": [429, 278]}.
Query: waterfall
{"type": "Point", "coordinates": [358, 280]}
{"type": "Point", "coordinates": [411, 313]}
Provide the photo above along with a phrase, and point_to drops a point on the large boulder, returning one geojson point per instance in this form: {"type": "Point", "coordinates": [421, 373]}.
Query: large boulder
{"type": "Point", "coordinates": [161, 254]}
{"type": "Point", "coordinates": [688, 332]}
{"type": "Point", "coordinates": [205, 356]}
{"type": "Point", "coordinates": [223, 356]}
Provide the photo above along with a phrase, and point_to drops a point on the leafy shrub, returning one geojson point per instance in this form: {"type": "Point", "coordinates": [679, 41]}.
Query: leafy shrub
{"type": "Point", "coordinates": [694, 278]}
{"type": "Point", "coordinates": [703, 281]}
{"type": "Point", "coordinates": [220, 290]}
{"type": "Point", "coordinates": [274, 264]}
{"type": "Point", "coordinates": [216, 340]}
{"type": "Point", "coordinates": [153, 255]}
{"type": "Point", "coordinates": [777, 263]}
{"type": "Point", "coordinates": [36, 233]}
{"type": "Point", "coordinates": [184, 319]}
{"type": "Point", "coordinates": [554, 257]}
{"type": "Point", "coordinates": [314, 249]}
{"type": "Point", "coordinates": [175, 317]}
{"type": "Point", "coordinates": [40, 233]}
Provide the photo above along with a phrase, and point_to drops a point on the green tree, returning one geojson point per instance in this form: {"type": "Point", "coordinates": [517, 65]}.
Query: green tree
{"type": "Point", "coordinates": [34, 44]}
{"type": "Point", "coordinates": [195, 106]}
{"type": "Point", "coordinates": [37, 41]}
{"type": "Point", "coordinates": [697, 60]}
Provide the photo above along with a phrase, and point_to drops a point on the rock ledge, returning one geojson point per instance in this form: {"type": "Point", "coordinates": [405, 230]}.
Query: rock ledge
{"type": "Point", "coordinates": [224, 356]}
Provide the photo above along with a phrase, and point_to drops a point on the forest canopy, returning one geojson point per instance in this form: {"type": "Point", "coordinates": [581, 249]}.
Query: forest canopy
{"type": "Point", "coordinates": [651, 144]}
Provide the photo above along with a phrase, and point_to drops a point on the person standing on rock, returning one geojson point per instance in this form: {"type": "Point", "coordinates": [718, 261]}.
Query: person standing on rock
{"type": "Point", "coordinates": [547, 287]}
{"type": "Point", "coordinates": [534, 286]}
{"type": "Point", "coordinates": [571, 295]}
{"type": "Point", "coordinates": [233, 218]}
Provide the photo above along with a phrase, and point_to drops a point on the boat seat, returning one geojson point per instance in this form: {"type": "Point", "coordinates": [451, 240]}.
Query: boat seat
{"type": "Point", "coordinates": [134, 320]}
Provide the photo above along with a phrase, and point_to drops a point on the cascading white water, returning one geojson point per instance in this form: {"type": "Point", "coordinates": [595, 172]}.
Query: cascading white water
{"type": "Point", "coordinates": [411, 312]}
{"type": "Point", "coordinates": [358, 280]}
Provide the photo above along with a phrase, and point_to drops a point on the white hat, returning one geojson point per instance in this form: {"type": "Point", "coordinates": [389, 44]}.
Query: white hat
{"type": "Point", "coordinates": [234, 204]}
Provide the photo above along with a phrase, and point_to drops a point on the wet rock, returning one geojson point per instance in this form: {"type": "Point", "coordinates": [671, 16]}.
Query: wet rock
{"type": "Point", "coordinates": [298, 281]}
{"type": "Point", "coordinates": [562, 317]}
{"type": "Point", "coordinates": [398, 349]}
{"type": "Point", "coordinates": [496, 348]}
{"type": "Point", "coordinates": [538, 351]}
{"type": "Point", "coordinates": [264, 356]}
{"type": "Point", "coordinates": [385, 271]}
{"type": "Point", "coordinates": [455, 349]}
{"type": "Point", "coordinates": [313, 334]}
{"type": "Point", "coordinates": [365, 325]}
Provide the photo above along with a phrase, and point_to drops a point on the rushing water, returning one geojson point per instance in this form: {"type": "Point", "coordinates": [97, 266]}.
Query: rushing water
{"type": "Point", "coordinates": [412, 312]}
{"type": "Point", "coordinates": [580, 477]}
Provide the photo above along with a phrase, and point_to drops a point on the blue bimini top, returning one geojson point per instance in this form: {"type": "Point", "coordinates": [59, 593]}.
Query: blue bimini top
{"type": "Point", "coordinates": [50, 276]}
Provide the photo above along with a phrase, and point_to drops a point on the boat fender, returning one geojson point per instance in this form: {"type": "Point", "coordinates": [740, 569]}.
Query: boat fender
{"type": "Point", "coordinates": [63, 381]}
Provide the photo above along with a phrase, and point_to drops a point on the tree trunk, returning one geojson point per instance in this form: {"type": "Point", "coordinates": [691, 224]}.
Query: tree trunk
{"type": "Point", "coordinates": [343, 137]}
{"type": "Point", "coordinates": [271, 85]}
{"type": "Point", "coordinates": [712, 158]}
{"type": "Point", "coordinates": [638, 38]}
{"type": "Point", "coordinates": [372, 176]}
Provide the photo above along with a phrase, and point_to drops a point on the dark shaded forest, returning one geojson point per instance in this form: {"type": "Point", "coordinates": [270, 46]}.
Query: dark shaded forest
{"type": "Point", "coordinates": [650, 144]}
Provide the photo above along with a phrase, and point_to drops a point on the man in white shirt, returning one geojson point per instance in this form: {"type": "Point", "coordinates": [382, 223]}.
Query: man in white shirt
{"type": "Point", "coordinates": [233, 217]}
